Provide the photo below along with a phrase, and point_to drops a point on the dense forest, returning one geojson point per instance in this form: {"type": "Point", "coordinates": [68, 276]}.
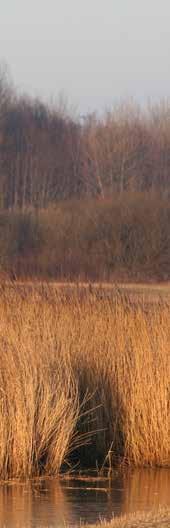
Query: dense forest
{"type": "Point", "coordinates": [83, 196]}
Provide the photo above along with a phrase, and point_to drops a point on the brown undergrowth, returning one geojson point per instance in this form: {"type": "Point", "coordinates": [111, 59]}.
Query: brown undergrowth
{"type": "Point", "coordinates": [84, 381]}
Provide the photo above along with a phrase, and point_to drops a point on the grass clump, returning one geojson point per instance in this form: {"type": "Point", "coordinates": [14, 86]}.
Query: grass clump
{"type": "Point", "coordinates": [153, 519]}
{"type": "Point", "coordinates": [80, 368]}
{"type": "Point", "coordinates": [38, 395]}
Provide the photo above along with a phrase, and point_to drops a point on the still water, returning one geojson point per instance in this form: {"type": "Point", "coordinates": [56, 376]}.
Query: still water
{"type": "Point", "coordinates": [45, 503]}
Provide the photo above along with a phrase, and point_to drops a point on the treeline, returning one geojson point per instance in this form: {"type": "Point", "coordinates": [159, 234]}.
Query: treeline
{"type": "Point", "coordinates": [83, 197]}
{"type": "Point", "coordinates": [47, 156]}
{"type": "Point", "coordinates": [124, 237]}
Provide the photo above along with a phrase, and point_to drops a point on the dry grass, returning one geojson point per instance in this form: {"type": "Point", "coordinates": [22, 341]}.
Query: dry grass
{"type": "Point", "coordinates": [158, 519]}
{"type": "Point", "coordinates": [73, 364]}
{"type": "Point", "coordinates": [38, 396]}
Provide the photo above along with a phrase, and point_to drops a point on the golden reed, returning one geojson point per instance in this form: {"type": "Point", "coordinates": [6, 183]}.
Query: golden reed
{"type": "Point", "coordinates": [81, 368]}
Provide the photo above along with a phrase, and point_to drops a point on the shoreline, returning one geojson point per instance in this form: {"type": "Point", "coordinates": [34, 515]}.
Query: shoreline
{"type": "Point", "coordinates": [152, 519]}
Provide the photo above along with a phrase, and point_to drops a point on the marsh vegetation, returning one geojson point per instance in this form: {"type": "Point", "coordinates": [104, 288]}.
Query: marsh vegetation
{"type": "Point", "coordinates": [84, 381]}
{"type": "Point", "coordinates": [153, 519]}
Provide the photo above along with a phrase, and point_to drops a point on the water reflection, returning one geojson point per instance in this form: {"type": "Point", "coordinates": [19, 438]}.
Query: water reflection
{"type": "Point", "coordinates": [146, 489]}
{"type": "Point", "coordinates": [48, 503]}
{"type": "Point", "coordinates": [33, 504]}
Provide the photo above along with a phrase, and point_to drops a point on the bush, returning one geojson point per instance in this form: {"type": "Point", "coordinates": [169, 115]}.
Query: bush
{"type": "Point", "coordinates": [122, 237]}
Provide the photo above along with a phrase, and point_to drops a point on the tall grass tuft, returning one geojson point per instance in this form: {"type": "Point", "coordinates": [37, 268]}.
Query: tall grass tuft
{"type": "Point", "coordinates": [38, 396]}
{"type": "Point", "coordinates": [80, 368]}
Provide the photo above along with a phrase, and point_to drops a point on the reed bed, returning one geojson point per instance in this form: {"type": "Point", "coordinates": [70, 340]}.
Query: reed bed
{"type": "Point", "coordinates": [84, 381]}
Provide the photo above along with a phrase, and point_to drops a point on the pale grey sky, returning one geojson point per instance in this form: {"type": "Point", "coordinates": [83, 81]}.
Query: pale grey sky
{"type": "Point", "coordinates": [94, 51]}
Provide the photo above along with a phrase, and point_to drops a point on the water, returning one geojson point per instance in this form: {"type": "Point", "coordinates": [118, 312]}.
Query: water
{"type": "Point", "coordinates": [45, 503]}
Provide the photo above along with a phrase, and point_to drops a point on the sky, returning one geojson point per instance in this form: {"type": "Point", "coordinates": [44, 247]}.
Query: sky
{"type": "Point", "coordinates": [91, 53]}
